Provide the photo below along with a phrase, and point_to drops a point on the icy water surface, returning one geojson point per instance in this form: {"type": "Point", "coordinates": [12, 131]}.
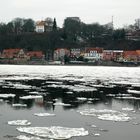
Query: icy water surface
{"type": "Point", "coordinates": [69, 102]}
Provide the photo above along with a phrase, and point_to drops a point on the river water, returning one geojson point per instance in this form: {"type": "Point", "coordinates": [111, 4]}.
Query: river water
{"type": "Point", "coordinates": [69, 102]}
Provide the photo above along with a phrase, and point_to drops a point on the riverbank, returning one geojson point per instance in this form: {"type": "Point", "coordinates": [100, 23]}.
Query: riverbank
{"type": "Point", "coordinates": [73, 63]}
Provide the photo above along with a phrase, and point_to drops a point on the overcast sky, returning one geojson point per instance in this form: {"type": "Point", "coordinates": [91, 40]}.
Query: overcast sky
{"type": "Point", "coordinates": [124, 11]}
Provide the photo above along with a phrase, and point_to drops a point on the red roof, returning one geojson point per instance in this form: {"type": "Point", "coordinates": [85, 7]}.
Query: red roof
{"type": "Point", "coordinates": [40, 23]}
{"type": "Point", "coordinates": [130, 53]}
{"type": "Point", "coordinates": [138, 52]}
{"type": "Point", "coordinates": [10, 53]}
{"type": "Point", "coordinates": [11, 50]}
{"type": "Point", "coordinates": [37, 54]}
{"type": "Point", "coordinates": [99, 50]}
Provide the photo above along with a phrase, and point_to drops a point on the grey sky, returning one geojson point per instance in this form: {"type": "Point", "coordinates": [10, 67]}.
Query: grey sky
{"type": "Point", "coordinates": [124, 11]}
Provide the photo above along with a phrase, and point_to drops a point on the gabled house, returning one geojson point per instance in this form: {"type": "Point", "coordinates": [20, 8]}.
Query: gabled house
{"type": "Point", "coordinates": [40, 27]}
{"type": "Point", "coordinates": [75, 53]}
{"type": "Point", "coordinates": [93, 54]}
{"type": "Point", "coordinates": [112, 55]}
{"type": "Point", "coordinates": [130, 56]}
{"type": "Point", "coordinates": [60, 53]}
{"type": "Point", "coordinates": [43, 26]}
{"type": "Point", "coordinates": [13, 54]}
{"type": "Point", "coordinates": [138, 53]}
{"type": "Point", "coordinates": [36, 55]}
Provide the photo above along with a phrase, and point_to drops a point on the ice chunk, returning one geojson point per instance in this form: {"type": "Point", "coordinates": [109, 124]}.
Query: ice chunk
{"type": "Point", "coordinates": [61, 104]}
{"type": "Point", "coordinates": [1, 100]}
{"type": "Point", "coordinates": [127, 109]}
{"type": "Point", "coordinates": [127, 98]}
{"type": "Point", "coordinates": [19, 105]}
{"type": "Point", "coordinates": [133, 91]}
{"type": "Point", "coordinates": [81, 98]}
{"type": "Point", "coordinates": [69, 92]}
{"type": "Point", "coordinates": [80, 88]}
{"type": "Point", "coordinates": [44, 114]}
{"type": "Point", "coordinates": [136, 123]}
{"type": "Point", "coordinates": [105, 114]}
{"type": "Point", "coordinates": [22, 137]}
{"type": "Point", "coordinates": [7, 95]}
{"type": "Point", "coordinates": [30, 97]}
{"type": "Point", "coordinates": [94, 126]}
{"type": "Point", "coordinates": [96, 134]}
{"type": "Point", "coordinates": [110, 95]}
{"type": "Point", "coordinates": [19, 122]}
{"type": "Point", "coordinates": [114, 117]}
{"type": "Point", "coordinates": [54, 132]}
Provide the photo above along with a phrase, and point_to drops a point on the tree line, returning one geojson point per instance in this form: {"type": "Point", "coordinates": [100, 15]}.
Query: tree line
{"type": "Point", "coordinates": [20, 33]}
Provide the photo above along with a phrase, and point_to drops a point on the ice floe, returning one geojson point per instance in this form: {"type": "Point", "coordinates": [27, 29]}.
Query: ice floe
{"type": "Point", "coordinates": [80, 88]}
{"type": "Point", "coordinates": [128, 109]}
{"type": "Point", "coordinates": [7, 95]}
{"type": "Point", "coordinates": [110, 95]}
{"type": "Point", "coordinates": [105, 114]}
{"type": "Point", "coordinates": [94, 126]}
{"type": "Point", "coordinates": [81, 99]}
{"type": "Point", "coordinates": [19, 122]}
{"type": "Point", "coordinates": [19, 105]}
{"type": "Point", "coordinates": [128, 98]}
{"type": "Point", "coordinates": [44, 114]}
{"type": "Point", "coordinates": [133, 91]}
{"type": "Point", "coordinates": [31, 97]}
{"type": "Point", "coordinates": [114, 117]}
{"type": "Point", "coordinates": [53, 82]}
{"type": "Point", "coordinates": [20, 86]}
{"type": "Point", "coordinates": [23, 137]}
{"type": "Point", "coordinates": [76, 88]}
{"type": "Point", "coordinates": [1, 100]}
{"type": "Point", "coordinates": [61, 104]}
{"type": "Point", "coordinates": [54, 132]}
{"type": "Point", "coordinates": [136, 123]}
{"type": "Point", "coordinates": [96, 134]}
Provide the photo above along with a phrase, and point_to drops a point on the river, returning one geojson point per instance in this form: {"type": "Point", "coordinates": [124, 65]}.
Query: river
{"type": "Point", "coordinates": [69, 102]}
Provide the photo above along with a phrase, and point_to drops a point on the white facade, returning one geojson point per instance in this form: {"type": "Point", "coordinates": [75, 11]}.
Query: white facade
{"type": "Point", "coordinates": [40, 28]}
{"type": "Point", "coordinates": [93, 55]}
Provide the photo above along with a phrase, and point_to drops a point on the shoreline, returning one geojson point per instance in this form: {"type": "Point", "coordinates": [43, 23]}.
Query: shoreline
{"type": "Point", "coordinates": [103, 63]}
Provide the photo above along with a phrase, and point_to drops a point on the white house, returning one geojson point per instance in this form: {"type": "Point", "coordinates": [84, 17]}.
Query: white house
{"type": "Point", "coordinates": [93, 54]}
{"type": "Point", "coordinates": [40, 27]}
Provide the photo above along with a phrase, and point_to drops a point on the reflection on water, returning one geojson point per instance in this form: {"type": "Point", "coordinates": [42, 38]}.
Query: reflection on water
{"type": "Point", "coordinates": [63, 91]}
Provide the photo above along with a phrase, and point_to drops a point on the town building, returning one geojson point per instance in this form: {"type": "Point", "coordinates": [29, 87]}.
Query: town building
{"type": "Point", "coordinates": [13, 54]}
{"type": "Point", "coordinates": [44, 26]}
{"type": "Point", "coordinates": [36, 55]}
{"type": "Point", "coordinates": [112, 55]}
{"type": "Point", "coordinates": [93, 54]}
{"type": "Point", "coordinates": [130, 56]}
{"type": "Point", "coordinates": [138, 54]}
{"type": "Point", "coordinates": [60, 53]}
{"type": "Point", "coordinates": [40, 27]}
{"type": "Point", "coordinates": [75, 53]}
